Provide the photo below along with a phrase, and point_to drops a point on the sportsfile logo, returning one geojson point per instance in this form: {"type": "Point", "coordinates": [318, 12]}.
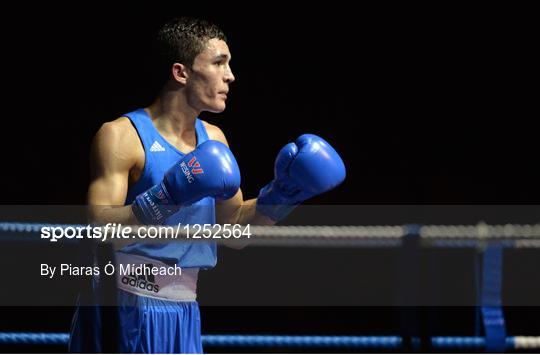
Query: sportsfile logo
{"type": "Point", "coordinates": [193, 167]}
{"type": "Point", "coordinates": [144, 281]}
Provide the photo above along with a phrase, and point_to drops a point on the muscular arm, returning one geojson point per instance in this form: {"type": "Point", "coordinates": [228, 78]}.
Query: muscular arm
{"type": "Point", "coordinates": [113, 155]}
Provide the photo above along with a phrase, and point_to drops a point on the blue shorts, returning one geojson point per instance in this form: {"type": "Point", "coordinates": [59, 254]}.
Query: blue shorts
{"type": "Point", "coordinates": [147, 325]}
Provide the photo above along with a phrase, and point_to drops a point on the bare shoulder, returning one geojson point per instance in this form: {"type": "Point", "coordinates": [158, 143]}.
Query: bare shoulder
{"type": "Point", "coordinates": [118, 141]}
{"type": "Point", "coordinates": [119, 134]}
{"type": "Point", "coordinates": [118, 131]}
{"type": "Point", "coordinates": [215, 133]}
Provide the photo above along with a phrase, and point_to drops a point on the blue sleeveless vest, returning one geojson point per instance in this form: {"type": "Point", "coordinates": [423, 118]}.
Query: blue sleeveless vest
{"type": "Point", "coordinates": [160, 155]}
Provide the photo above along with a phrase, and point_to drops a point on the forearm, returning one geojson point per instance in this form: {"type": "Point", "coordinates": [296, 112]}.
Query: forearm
{"type": "Point", "coordinates": [245, 213]}
{"type": "Point", "coordinates": [108, 214]}
{"type": "Point", "coordinates": [119, 214]}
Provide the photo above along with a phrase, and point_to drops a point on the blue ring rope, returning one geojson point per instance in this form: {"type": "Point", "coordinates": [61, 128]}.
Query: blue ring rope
{"type": "Point", "coordinates": [386, 342]}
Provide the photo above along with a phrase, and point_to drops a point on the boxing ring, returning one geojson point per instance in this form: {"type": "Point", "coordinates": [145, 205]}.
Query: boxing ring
{"type": "Point", "coordinates": [489, 241]}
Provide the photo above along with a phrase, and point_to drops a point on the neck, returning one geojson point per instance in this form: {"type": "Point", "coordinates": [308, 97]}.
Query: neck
{"type": "Point", "coordinates": [172, 114]}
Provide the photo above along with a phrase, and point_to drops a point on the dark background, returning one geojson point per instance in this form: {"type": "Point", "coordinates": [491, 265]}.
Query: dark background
{"type": "Point", "coordinates": [426, 105]}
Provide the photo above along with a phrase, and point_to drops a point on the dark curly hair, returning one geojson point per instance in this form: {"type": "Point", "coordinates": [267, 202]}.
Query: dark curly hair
{"type": "Point", "coordinates": [181, 39]}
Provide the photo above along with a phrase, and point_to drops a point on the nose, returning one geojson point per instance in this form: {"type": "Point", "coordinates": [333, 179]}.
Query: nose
{"type": "Point", "coordinates": [229, 76]}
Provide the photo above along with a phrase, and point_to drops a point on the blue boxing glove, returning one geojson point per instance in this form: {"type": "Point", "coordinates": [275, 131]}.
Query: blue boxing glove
{"type": "Point", "coordinates": [303, 169]}
{"type": "Point", "coordinates": [209, 170]}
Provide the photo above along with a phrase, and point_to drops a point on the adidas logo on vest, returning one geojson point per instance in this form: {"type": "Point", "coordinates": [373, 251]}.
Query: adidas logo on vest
{"type": "Point", "coordinates": [156, 147]}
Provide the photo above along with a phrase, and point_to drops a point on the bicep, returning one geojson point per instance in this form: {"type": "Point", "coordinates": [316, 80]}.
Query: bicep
{"type": "Point", "coordinates": [110, 164]}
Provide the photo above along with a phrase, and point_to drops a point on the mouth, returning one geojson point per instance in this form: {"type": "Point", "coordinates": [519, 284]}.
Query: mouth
{"type": "Point", "coordinates": [223, 93]}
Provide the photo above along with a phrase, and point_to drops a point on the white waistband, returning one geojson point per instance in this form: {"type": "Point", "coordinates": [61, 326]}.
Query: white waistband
{"type": "Point", "coordinates": [152, 278]}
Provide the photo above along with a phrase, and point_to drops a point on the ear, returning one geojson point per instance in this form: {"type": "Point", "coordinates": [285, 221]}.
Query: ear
{"type": "Point", "coordinates": [179, 73]}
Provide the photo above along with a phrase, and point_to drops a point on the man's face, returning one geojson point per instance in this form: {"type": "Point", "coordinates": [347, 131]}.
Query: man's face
{"type": "Point", "coordinates": [210, 76]}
